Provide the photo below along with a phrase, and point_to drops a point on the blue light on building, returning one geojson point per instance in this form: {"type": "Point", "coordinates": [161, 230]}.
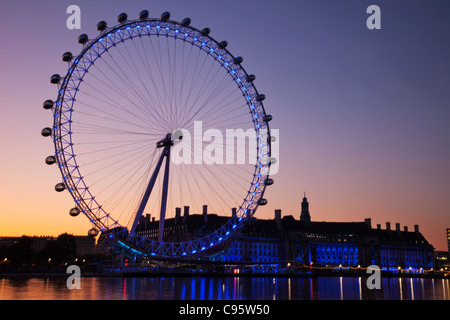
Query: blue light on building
{"type": "Point", "coordinates": [286, 241]}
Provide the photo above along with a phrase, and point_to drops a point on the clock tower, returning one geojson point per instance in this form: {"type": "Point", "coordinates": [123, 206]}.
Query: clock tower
{"type": "Point", "coordinates": [304, 216]}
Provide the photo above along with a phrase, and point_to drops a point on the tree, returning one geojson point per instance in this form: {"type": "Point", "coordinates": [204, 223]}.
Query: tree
{"type": "Point", "coordinates": [63, 249]}
{"type": "Point", "coordinates": [68, 246]}
{"type": "Point", "coordinates": [22, 252]}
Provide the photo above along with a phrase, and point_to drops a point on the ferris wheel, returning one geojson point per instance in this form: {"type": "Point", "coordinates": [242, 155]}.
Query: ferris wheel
{"type": "Point", "coordinates": [155, 115]}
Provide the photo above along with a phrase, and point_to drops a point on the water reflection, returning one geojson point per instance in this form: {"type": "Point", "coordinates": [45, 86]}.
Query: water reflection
{"type": "Point", "coordinates": [197, 288]}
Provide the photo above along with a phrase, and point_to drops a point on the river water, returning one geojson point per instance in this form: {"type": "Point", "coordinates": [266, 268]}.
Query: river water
{"type": "Point", "coordinates": [226, 288]}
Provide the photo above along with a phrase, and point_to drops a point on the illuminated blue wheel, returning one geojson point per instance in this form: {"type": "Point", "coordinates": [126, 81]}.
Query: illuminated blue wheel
{"type": "Point", "coordinates": [152, 116]}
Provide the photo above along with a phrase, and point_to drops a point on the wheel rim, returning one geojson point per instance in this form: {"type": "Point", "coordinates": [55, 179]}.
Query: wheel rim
{"type": "Point", "coordinates": [73, 98]}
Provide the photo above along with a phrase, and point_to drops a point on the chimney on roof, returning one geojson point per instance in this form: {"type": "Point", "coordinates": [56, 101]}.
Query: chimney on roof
{"type": "Point", "coordinates": [397, 228]}
{"type": "Point", "coordinates": [177, 215]}
{"type": "Point", "coordinates": [277, 214]}
{"type": "Point", "coordinates": [186, 214]}
{"type": "Point", "coordinates": [147, 220]}
{"type": "Point", "coordinates": [405, 228]}
{"type": "Point", "coordinates": [205, 213]}
{"type": "Point", "coordinates": [388, 226]}
{"type": "Point", "coordinates": [416, 228]}
{"type": "Point", "coordinates": [278, 218]}
{"type": "Point", "coordinates": [233, 212]}
{"type": "Point", "coordinates": [141, 223]}
{"type": "Point", "coordinates": [379, 226]}
{"type": "Point", "coordinates": [368, 222]}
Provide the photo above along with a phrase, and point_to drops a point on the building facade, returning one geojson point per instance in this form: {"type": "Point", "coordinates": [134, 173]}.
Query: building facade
{"type": "Point", "coordinates": [286, 240]}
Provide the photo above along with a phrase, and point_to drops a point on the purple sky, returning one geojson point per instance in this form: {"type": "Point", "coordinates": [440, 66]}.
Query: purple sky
{"type": "Point", "coordinates": [363, 114]}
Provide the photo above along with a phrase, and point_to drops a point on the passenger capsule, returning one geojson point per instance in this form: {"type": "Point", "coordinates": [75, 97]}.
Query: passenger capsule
{"type": "Point", "coordinates": [272, 160]}
{"type": "Point", "coordinates": [74, 212]}
{"type": "Point", "coordinates": [269, 182]}
{"type": "Point", "coordinates": [262, 202]}
{"type": "Point", "coordinates": [55, 78]}
{"type": "Point", "coordinates": [165, 16]}
{"type": "Point", "coordinates": [251, 78]}
{"type": "Point", "coordinates": [48, 104]}
{"type": "Point", "coordinates": [186, 22]}
{"type": "Point", "coordinates": [50, 160]}
{"type": "Point", "coordinates": [83, 38]}
{"type": "Point", "coordinates": [206, 31]}
{"type": "Point", "coordinates": [261, 97]}
{"type": "Point", "coordinates": [122, 17]}
{"type": "Point", "coordinates": [144, 14]}
{"type": "Point", "coordinates": [238, 60]}
{"type": "Point", "coordinates": [102, 25]}
{"type": "Point", "coordinates": [268, 118]}
{"type": "Point", "coordinates": [60, 187]}
{"type": "Point", "coordinates": [67, 56]}
{"type": "Point", "coordinates": [46, 132]}
{"type": "Point", "coordinates": [223, 44]}
{"type": "Point", "coordinates": [93, 232]}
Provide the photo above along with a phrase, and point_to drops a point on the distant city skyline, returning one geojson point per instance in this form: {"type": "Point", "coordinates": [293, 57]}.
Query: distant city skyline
{"type": "Point", "coordinates": [362, 114]}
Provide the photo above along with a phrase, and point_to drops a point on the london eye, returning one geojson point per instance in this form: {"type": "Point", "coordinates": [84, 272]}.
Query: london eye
{"type": "Point", "coordinates": [153, 115]}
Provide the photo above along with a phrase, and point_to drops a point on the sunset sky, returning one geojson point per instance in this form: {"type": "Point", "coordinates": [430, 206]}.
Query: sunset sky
{"type": "Point", "coordinates": [364, 115]}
